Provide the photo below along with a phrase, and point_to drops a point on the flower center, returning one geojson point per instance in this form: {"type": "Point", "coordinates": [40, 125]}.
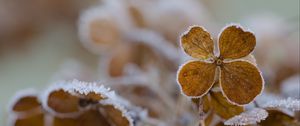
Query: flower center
{"type": "Point", "coordinates": [218, 62]}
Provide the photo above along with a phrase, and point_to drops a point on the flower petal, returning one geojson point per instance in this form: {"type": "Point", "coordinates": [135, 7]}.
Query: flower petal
{"type": "Point", "coordinates": [63, 102]}
{"type": "Point", "coordinates": [196, 78]}
{"type": "Point", "coordinates": [36, 120]}
{"type": "Point", "coordinates": [88, 118]}
{"type": "Point", "coordinates": [26, 103]}
{"type": "Point", "coordinates": [115, 115]}
{"type": "Point", "coordinates": [236, 43]}
{"type": "Point", "coordinates": [240, 81]}
{"type": "Point", "coordinates": [198, 43]}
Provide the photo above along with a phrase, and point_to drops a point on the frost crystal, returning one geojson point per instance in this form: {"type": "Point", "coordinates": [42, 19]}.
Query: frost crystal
{"type": "Point", "coordinates": [249, 117]}
{"type": "Point", "coordinates": [289, 103]}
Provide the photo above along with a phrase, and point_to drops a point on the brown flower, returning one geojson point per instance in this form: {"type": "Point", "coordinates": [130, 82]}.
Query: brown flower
{"type": "Point", "coordinates": [70, 104]}
{"type": "Point", "coordinates": [240, 80]}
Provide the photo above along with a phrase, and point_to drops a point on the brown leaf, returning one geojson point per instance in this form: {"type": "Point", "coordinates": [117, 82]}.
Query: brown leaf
{"type": "Point", "coordinates": [240, 81]}
{"type": "Point", "coordinates": [236, 43]}
{"type": "Point", "coordinates": [63, 102]}
{"type": "Point", "coordinates": [196, 78]}
{"type": "Point", "coordinates": [198, 43]}
{"type": "Point", "coordinates": [222, 107]}
{"type": "Point", "coordinates": [278, 118]}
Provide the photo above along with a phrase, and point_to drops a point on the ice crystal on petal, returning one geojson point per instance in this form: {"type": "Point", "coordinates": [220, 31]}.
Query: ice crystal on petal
{"type": "Point", "coordinates": [289, 103]}
{"type": "Point", "coordinates": [249, 117]}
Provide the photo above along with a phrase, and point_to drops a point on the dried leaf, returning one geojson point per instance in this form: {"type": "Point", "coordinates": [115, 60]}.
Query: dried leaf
{"type": "Point", "coordinates": [222, 107]}
{"type": "Point", "coordinates": [249, 117]}
{"type": "Point", "coordinates": [278, 118]}
{"type": "Point", "coordinates": [236, 43]}
{"type": "Point", "coordinates": [196, 78]}
{"type": "Point", "coordinates": [198, 43]}
{"type": "Point", "coordinates": [240, 81]}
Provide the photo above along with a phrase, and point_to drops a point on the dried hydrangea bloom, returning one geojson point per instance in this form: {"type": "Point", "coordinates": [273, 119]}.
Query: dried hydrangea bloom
{"type": "Point", "coordinates": [73, 99]}
{"type": "Point", "coordinates": [240, 80]}
{"type": "Point", "coordinates": [72, 103]}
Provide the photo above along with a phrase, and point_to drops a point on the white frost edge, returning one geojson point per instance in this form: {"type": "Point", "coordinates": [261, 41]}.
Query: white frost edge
{"type": "Point", "coordinates": [177, 79]}
{"type": "Point", "coordinates": [289, 103]}
{"type": "Point", "coordinates": [249, 117]}
{"type": "Point", "coordinates": [261, 91]}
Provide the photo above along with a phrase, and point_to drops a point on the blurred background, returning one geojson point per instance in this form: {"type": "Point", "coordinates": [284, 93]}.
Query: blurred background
{"type": "Point", "coordinates": [39, 39]}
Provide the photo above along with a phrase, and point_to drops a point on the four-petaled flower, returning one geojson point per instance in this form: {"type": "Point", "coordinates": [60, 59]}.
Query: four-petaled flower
{"type": "Point", "coordinates": [240, 80]}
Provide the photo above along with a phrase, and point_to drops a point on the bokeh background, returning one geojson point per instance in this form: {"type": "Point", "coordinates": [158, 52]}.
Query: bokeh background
{"type": "Point", "coordinates": [40, 37]}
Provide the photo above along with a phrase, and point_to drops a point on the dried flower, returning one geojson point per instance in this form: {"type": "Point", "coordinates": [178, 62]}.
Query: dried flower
{"type": "Point", "coordinates": [240, 80]}
{"type": "Point", "coordinates": [71, 103]}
